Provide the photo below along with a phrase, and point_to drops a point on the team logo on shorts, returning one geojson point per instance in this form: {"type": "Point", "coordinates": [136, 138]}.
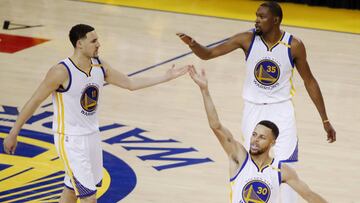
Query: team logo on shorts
{"type": "Point", "coordinates": [256, 191]}
{"type": "Point", "coordinates": [89, 98]}
{"type": "Point", "coordinates": [267, 72]}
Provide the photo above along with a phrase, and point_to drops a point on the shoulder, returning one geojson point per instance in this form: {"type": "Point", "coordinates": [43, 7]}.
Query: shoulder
{"type": "Point", "coordinates": [56, 75]}
{"type": "Point", "coordinates": [243, 39]}
{"type": "Point", "coordinates": [238, 163]}
{"type": "Point", "coordinates": [58, 70]}
{"type": "Point", "coordinates": [297, 48]}
{"type": "Point", "coordinates": [287, 173]}
{"type": "Point", "coordinates": [296, 43]}
{"type": "Point", "coordinates": [244, 36]}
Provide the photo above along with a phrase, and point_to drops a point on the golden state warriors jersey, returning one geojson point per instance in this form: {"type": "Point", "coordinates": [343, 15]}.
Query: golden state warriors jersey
{"type": "Point", "coordinates": [76, 106]}
{"type": "Point", "coordinates": [253, 184]}
{"type": "Point", "coordinates": [269, 71]}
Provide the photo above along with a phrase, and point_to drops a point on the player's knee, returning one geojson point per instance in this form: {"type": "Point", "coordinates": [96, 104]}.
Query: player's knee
{"type": "Point", "coordinates": [89, 199]}
{"type": "Point", "coordinates": [68, 196]}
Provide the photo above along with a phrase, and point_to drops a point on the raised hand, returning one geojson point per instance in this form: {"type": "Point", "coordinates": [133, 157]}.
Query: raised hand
{"type": "Point", "coordinates": [174, 72]}
{"type": "Point", "coordinates": [186, 39]}
{"type": "Point", "coordinates": [199, 79]}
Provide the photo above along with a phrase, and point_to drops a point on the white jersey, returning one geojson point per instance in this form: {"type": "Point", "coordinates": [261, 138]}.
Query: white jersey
{"type": "Point", "coordinates": [75, 108]}
{"type": "Point", "coordinates": [269, 71]}
{"type": "Point", "coordinates": [252, 184]}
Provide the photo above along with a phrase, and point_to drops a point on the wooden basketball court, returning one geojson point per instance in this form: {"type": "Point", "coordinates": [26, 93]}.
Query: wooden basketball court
{"type": "Point", "coordinates": [158, 146]}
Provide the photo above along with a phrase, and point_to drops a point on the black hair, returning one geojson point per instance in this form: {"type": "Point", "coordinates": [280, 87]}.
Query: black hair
{"type": "Point", "coordinates": [274, 8]}
{"type": "Point", "coordinates": [272, 126]}
{"type": "Point", "coordinates": [79, 31]}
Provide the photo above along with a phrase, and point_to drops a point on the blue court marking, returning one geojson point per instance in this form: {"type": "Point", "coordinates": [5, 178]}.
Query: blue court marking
{"type": "Point", "coordinates": [175, 58]}
{"type": "Point", "coordinates": [16, 174]}
{"type": "Point", "coordinates": [46, 105]}
{"type": "Point", "coordinates": [172, 59]}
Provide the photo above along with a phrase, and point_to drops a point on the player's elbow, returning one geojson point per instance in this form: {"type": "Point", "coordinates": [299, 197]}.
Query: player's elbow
{"type": "Point", "coordinates": [310, 82]}
{"type": "Point", "coordinates": [127, 87]}
{"type": "Point", "coordinates": [215, 125]}
{"type": "Point", "coordinates": [130, 86]}
{"type": "Point", "coordinates": [205, 57]}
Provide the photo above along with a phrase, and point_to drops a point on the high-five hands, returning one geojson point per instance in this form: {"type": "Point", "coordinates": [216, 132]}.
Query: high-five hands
{"type": "Point", "coordinates": [175, 72]}
{"type": "Point", "coordinates": [199, 79]}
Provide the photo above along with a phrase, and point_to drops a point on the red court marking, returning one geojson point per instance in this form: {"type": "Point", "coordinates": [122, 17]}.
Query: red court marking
{"type": "Point", "coordinates": [14, 43]}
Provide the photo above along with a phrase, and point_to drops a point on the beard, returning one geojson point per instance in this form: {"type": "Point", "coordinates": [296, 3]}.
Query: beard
{"type": "Point", "coordinates": [96, 53]}
{"type": "Point", "coordinates": [258, 152]}
{"type": "Point", "coordinates": [258, 31]}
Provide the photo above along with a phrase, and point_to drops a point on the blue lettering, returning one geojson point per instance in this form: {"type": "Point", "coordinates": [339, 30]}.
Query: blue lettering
{"type": "Point", "coordinates": [135, 133]}
{"type": "Point", "coordinates": [48, 125]}
{"type": "Point", "coordinates": [7, 120]}
{"type": "Point", "coordinates": [112, 126]}
{"type": "Point", "coordinates": [38, 117]}
{"type": "Point", "coordinates": [9, 110]}
{"type": "Point", "coordinates": [168, 152]}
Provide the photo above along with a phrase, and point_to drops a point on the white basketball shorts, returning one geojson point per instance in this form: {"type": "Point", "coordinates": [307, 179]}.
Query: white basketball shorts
{"type": "Point", "coordinates": [283, 115]}
{"type": "Point", "coordinates": [83, 161]}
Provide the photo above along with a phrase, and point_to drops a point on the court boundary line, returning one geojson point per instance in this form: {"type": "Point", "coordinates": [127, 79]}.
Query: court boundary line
{"type": "Point", "coordinates": [173, 59]}
{"type": "Point", "coordinates": [217, 17]}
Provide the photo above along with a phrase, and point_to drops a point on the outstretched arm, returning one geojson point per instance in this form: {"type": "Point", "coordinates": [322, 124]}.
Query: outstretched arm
{"type": "Point", "coordinates": [290, 177]}
{"type": "Point", "coordinates": [241, 40]}
{"type": "Point", "coordinates": [56, 76]}
{"type": "Point", "coordinates": [119, 79]}
{"type": "Point", "coordinates": [235, 151]}
{"type": "Point", "coordinates": [299, 53]}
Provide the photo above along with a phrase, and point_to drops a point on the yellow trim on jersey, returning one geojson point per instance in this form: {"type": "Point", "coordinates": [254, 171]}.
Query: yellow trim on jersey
{"type": "Point", "coordinates": [231, 191]}
{"type": "Point", "coordinates": [276, 169]}
{"type": "Point", "coordinates": [61, 122]}
{"type": "Point", "coordinates": [67, 165]}
{"type": "Point", "coordinates": [270, 48]}
{"type": "Point", "coordinates": [58, 112]}
{"type": "Point", "coordinates": [292, 90]}
{"type": "Point", "coordinates": [282, 36]}
{"type": "Point", "coordinates": [285, 44]}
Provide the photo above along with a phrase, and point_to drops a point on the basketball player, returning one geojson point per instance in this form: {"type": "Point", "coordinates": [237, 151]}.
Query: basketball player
{"type": "Point", "coordinates": [271, 54]}
{"type": "Point", "coordinates": [76, 85]}
{"type": "Point", "coordinates": [255, 176]}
